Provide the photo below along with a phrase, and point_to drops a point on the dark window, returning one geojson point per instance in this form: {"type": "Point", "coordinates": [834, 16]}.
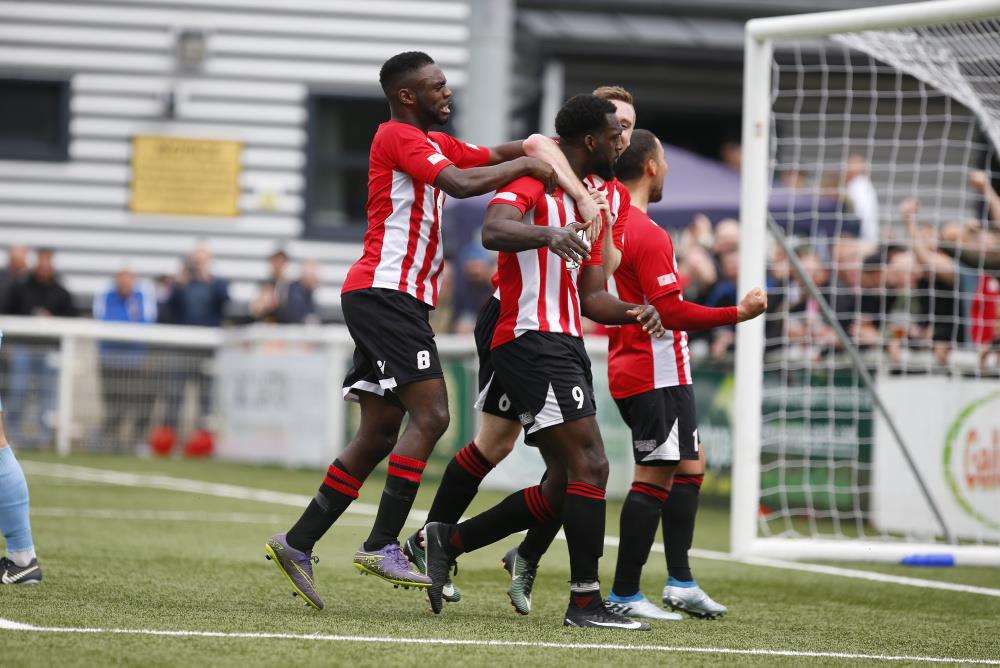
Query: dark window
{"type": "Point", "coordinates": [340, 134]}
{"type": "Point", "coordinates": [34, 123]}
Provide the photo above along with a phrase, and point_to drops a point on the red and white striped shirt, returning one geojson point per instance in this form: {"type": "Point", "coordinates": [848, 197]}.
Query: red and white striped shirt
{"type": "Point", "coordinates": [638, 362]}
{"type": "Point", "coordinates": [537, 291]}
{"type": "Point", "coordinates": [403, 249]}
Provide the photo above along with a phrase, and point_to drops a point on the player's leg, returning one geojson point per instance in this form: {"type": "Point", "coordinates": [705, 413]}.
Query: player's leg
{"type": "Point", "coordinates": [640, 518]}
{"type": "Point", "coordinates": [656, 447]}
{"type": "Point", "coordinates": [498, 430]}
{"type": "Point", "coordinates": [20, 566]}
{"type": "Point", "coordinates": [517, 512]}
{"type": "Point", "coordinates": [681, 591]}
{"type": "Point", "coordinates": [460, 483]}
{"type": "Point", "coordinates": [427, 404]}
{"type": "Point", "coordinates": [291, 552]}
{"type": "Point", "coordinates": [493, 442]}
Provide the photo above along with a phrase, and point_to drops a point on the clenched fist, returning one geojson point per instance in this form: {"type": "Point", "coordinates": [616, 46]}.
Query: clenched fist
{"type": "Point", "coordinates": [752, 305]}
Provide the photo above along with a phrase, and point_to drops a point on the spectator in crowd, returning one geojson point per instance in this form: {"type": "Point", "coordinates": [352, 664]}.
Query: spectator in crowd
{"type": "Point", "coordinates": [473, 285]}
{"type": "Point", "coordinates": [722, 294]}
{"type": "Point", "coordinates": [273, 291]}
{"type": "Point", "coordinates": [725, 238]}
{"type": "Point", "coordinates": [983, 314]}
{"type": "Point", "coordinates": [163, 286]}
{"type": "Point", "coordinates": [32, 373]}
{"type": "Point", "coordinates": [198, 297]}
{"type": "Point", "coordinates": [128, 384]}
{"type": "Point", "coordinates": [731, 154]}
{"type": "Point", "coordinates": [300, 306]}
{"type": "Point", "coordinates": [938, 282]}
{"type": "Point", "coordinates": [42, 293]}
{"type": "Point", "coordinates": [15, 272]}
{"type": "Point", "coordinates": [861, 197]}
{"type": "Point", "coordinates": [805, 324]}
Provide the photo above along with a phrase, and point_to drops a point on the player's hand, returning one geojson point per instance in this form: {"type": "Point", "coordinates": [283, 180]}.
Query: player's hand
{"type": "Point", "coordinates": [979, 180]}
{"type": "Point", "coordinates": [649, 318]}
{"type": "Point", "coordinates": [752, 305]}
{"type": "Point", "coordinates": [567, 243]}
{"type": "Point", "coordinates": [602, 218]}
{"type": "Point", "coordinates": [541, 170]}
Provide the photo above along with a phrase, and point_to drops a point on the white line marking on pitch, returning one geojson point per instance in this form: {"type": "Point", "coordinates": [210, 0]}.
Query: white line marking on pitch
{"type": "Point", "coordinates": [183, 516]}
{"type": "Point", "coordinates": [108, 477]}
{"type": "Point", "coordinates": [847, 656]}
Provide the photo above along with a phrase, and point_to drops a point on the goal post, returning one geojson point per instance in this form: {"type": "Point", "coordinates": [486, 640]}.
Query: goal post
{"type": "Point", "coordinates": [908, 97]}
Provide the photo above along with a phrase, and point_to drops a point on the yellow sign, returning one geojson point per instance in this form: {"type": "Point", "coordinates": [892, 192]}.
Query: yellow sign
{"type": "Point", "coordinates": [195, 177]}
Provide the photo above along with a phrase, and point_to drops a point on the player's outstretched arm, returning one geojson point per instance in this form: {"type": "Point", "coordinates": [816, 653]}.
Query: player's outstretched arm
{"type": "Point", "coordinates": [462, 183]}
{"type": "Point", "coordinates": [504, 229]}
{"type": "Point", "coordinates": [601, 306]}
{"type": "Point", "coordinates": [679, 315]}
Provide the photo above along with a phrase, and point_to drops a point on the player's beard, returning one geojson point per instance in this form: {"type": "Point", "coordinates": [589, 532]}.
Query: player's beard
{"type": "Point", "coordinates": [605, 170]}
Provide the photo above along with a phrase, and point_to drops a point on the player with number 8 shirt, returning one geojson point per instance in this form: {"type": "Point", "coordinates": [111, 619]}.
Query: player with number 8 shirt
{"type": "Point", "coordinates": [386, 300]}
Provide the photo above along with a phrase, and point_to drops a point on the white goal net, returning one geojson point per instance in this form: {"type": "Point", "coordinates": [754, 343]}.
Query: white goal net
{"type": "Point", "coordinates": [868, 399]}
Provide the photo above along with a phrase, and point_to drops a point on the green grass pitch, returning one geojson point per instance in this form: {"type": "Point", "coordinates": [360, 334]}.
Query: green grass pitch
{"type": "Point", "coordinates": [151, 559]}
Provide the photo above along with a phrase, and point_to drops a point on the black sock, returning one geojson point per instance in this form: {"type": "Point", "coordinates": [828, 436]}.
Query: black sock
{"type": "Point", "coordinates": [459, 485]}
{"type": "Point", "coordinates": [339, 488]}
{"type": "Point", "coordinates": [517, 512]}
{"type": "Point", "coordinates": [639, 520]}
{"type": "Point", "coordinates": [583, 521]}
{"type": "Point", "coordinates": [536, 543]}
{"type": "Point", "coordinates": [678, 524]}
{"type": "Point", "coordinates": [397, 499]}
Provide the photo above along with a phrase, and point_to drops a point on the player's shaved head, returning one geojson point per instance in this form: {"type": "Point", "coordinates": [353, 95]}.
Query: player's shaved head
{"type": "Point", "coordinates": [398, 70]}
{"type": "Point", "coordinates": [632, 163]}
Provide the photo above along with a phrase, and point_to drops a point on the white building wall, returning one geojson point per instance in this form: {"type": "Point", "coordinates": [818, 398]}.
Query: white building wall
{"type": "Point", "coordinates": [263, 57]}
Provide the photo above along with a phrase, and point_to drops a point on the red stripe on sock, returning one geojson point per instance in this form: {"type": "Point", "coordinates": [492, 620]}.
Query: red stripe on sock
{"type": "Point", "coordinates": [409, 462]}
{"type": "Point", "coordinates": [405, 474]}
{"type": "Point", "coordinates": [689, 480]}
{"type": "Point", "coordinates": [549, 515]}
{"type": "Point", "coordinates": [655, 491]}
{"type": "Point", "coordinates": [344, 477]}
{"type": "Point", "coordinates": [471, 462]}
{"type": "Point", "coordinates": [586, 490]}
{"type": "Point", "coordinates": [340, 487]}
{"type": "Point", "coordinates": [537, 504]}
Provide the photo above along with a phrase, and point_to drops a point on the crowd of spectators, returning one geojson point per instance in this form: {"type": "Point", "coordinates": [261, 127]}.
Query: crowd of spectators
{"type": "Point", "coordinates": [898, 282]}
{"type": "Point", "coordinates": [134, 375]}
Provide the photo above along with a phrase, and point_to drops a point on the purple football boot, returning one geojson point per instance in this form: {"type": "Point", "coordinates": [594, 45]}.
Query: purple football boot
{"type": "Point", "coordinates": [296, 566]}
{"type": "Point", "coordinates": [389, 563]}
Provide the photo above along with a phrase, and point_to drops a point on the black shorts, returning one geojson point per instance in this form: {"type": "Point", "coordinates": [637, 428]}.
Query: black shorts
{"type": "Point", "coordinates": [493, 398]}
{"type": "Point", "coordinates": [547, 378]}
{"type": "Point", "coordinates": [663, 423]}
{"type": "Point", "coordinates": [394, 342]}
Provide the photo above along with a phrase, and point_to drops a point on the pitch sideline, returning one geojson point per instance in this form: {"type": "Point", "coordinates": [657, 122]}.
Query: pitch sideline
{"type": "Point", "coordinates": [9, 625]}
{"type": "Point", "coordinates": [223, 490]}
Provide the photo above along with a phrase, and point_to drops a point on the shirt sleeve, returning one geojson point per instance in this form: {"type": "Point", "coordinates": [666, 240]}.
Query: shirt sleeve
{"type": "Point", "coordinates": [461, 153]}
{"type": "Point", "coordinates": [413, 154]}
{"type": "Point", "coordinates": [651, 254]}
{"type": "Point", "coordinates": [521, 193]}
